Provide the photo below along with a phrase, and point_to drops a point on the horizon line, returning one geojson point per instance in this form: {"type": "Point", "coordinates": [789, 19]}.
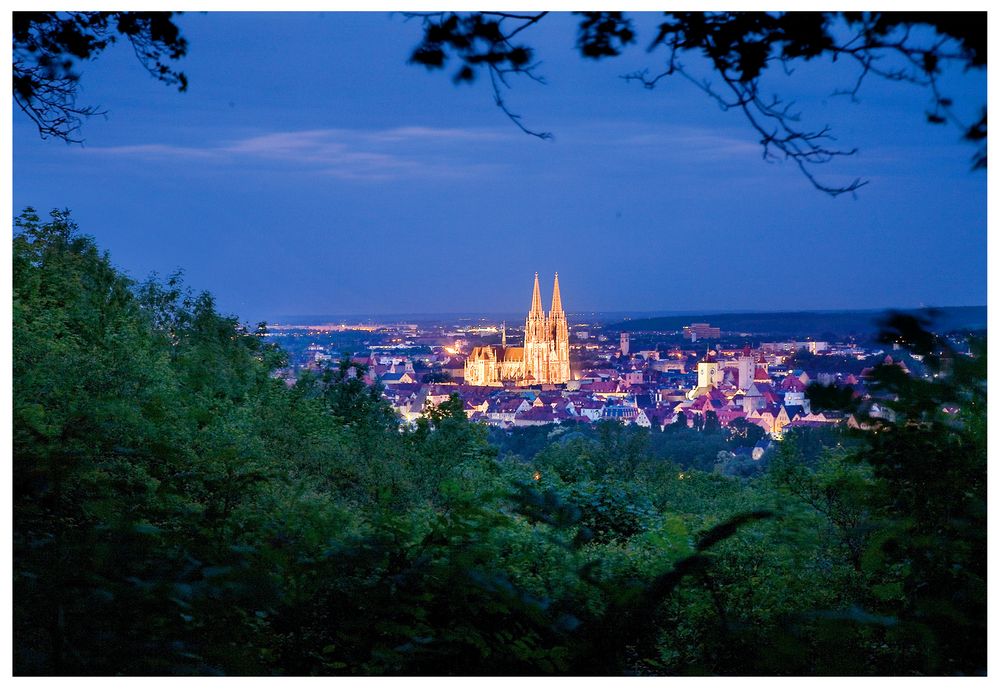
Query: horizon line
{"type": "Point", "coordinates": [646, 313]}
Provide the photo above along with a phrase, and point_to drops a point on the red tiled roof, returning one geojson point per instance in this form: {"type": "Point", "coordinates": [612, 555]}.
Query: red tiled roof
{"type": "Point", "coordinates": [536, 413]}
{"type": "Point", "coordinates": [728, 415]}
{"type": "Point", "coordinates": [793, 384]}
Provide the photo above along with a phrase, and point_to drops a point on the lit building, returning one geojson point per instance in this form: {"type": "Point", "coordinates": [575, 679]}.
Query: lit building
{"type": "Point", "coordinates": [760, 373]}
{"type": "Point", "coordinates": [701, 330]}
{"type": "Point", "coordinates": [709, 376]}
{"type": "Point", "coordinates": [544, 358]}
{"type": "Point", "coordinates": [745, 367]}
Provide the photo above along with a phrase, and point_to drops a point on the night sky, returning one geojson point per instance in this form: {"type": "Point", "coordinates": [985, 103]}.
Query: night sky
{"type": "Point", "coordinates": [310, 170]}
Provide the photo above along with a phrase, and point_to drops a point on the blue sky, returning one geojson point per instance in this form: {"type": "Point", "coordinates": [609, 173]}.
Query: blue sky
{"type": "Point", "coordinates": [310, 170]}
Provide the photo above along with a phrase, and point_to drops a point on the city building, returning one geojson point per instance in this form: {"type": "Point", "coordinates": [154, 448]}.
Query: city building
{"type": "Point", "coordinates": [709, 376]}
{"type": "Point", "coordinates": [701, 330]}
{"type": "Point", "coordinates": [544, 358]}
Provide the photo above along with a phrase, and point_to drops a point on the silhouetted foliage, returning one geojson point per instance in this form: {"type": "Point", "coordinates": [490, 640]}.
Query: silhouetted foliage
{"type": "Point", "coordinates": [830, 396]}
{"type": "Point", "coordinates": [435, 376]}
{"type": "Point", "coordinates": [738, 49]}
{"type": "Point", "coordinates": [743, 433]}
{"type": "Point", "coordinates": [51, 47]}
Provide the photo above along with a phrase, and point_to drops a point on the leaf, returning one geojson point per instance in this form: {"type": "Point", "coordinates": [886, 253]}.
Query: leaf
{"type": "Point", "coordinates": [728, 528]}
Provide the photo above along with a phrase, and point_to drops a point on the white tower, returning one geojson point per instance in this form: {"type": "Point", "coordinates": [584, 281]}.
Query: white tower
{"type": "Point", "coordinates": [745, 366]}
{"type": "Point", "coordinates": [707, 367]}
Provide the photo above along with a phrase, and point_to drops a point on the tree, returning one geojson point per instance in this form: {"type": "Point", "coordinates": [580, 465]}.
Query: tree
{"type": "Point", "coordinates": [49, 48]}
{"type": "Point", "coordinates": [115, 478]}
{"type": "Point", "coordinates": [353, 402]}
{"type": "Point", "coordinates": [178, 510]}
{"type": "Point", "coordinates": [711, 424]}
{"type": "Point", "coordinates": [928, 561]}
{"type": "Point", "coordinates": [451, 408]}
{"type": "Point", "coordinates": [743, 433]}
{"type": "Point", "coordinates": [436, 376]}
{"type": "Point", "coordinates": [830, 397]}
{"type": "Point", "coordinates": [737, 49]}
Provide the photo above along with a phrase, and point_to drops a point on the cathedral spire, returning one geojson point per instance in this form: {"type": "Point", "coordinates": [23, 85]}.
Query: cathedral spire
{"type": "Point", "coordinates": [556, 298]}
{"type": "Point", "coordinates": [536, 301]}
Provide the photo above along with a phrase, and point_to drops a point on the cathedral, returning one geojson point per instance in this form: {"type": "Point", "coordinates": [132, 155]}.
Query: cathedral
{"type": "Point", "coordinates": [544, 358]}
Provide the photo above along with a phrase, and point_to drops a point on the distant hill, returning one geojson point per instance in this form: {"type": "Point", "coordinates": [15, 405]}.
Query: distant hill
{"type": "Point", "coordinates": [818, 324]}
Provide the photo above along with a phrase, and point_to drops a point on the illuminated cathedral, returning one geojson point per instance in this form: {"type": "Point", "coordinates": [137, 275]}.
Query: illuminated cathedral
{"type": "Point", "coordinates": [544, 358]}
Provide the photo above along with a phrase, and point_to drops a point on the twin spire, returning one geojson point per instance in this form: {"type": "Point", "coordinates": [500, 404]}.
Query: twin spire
{"type": "Point", "coordinates": [536, 299]}
{"type": "Point", "coordinates": [556, 298]}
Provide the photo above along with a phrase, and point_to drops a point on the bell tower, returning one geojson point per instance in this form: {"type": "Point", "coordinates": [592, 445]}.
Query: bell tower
{"type": "Point", "coordinates": [707, 368]}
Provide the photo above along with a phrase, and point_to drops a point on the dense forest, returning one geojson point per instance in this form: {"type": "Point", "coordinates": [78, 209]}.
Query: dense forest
{"type": "Point", "coordinates": [177, 510]}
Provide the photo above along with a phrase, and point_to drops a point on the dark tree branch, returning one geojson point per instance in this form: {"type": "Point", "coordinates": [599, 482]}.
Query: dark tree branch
{"type": "Point", "coordinates": [740, 47]}
{"type": "Point", "coordinates": [481, 40]}
{"type": "Point", "coordinates": [496, 77]}
{"type": "Point", "coordinates": [48, 48]}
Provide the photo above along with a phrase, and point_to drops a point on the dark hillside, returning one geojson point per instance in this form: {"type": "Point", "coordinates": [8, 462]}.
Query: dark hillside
{"type": "Point", "coordinates": [809, 324]}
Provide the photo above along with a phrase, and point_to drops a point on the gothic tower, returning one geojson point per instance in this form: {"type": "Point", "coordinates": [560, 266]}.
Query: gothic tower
{"type": "Point", "coordinates": [536, 346]}
{"type": "Point", "coordinates": [558, 331]}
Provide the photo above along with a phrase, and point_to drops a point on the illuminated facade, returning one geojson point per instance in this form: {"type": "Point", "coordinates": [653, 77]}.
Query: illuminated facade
{"type": "Point", "coordinates": [544, 358]}
{"type": "Point", "coordinates": [709, 376]}
{"type": "Point", "coordinates": [701, 330]}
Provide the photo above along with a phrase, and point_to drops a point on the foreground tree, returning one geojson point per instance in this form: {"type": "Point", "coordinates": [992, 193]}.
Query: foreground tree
{"type": "Point", "coordinates": [928, 559]}
{"type": "Point", "coordinates": [177, 510]}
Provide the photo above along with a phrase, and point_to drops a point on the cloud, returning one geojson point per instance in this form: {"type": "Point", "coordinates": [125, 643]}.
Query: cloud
{"type": "Point", "coordinates": [411, 151]}
{"type": "Point", "coordinates": [418, 153]}
{"type": "Point", "coordinates": [701, 142]}
{"type": "Point", "coordinates": [153, 150]}
{"type": "Point", "coordinates": [414, 133]}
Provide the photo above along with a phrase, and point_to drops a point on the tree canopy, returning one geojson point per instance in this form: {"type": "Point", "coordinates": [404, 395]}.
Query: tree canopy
{"type": "Point", "coordinates": [178, 510]}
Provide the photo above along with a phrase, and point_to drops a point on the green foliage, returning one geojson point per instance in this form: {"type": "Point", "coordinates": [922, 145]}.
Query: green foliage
{"type": "Point", "coordinates": [743, 433]}
{"type": "Point", "coordinates": [177, 510]}
{"type": "Point", "coordinates": [529, 441]}
{"type": "Point", "coordinates": [690, 447]}
{"type": "Point", "coordinates": [928, 559]}
{"type": "Point", "coordinates": [611, 511]}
